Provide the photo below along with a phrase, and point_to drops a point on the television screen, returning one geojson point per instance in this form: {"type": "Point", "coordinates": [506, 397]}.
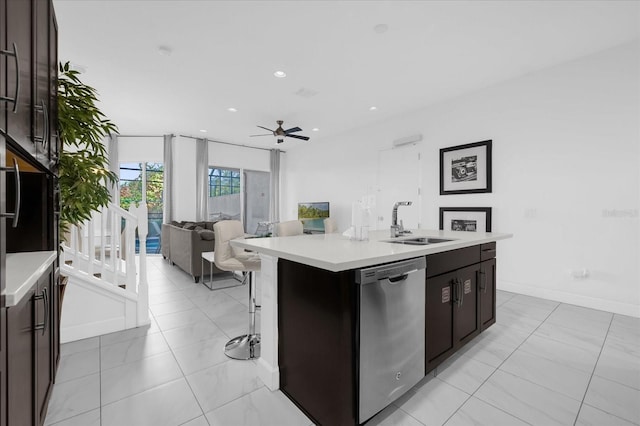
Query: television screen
{"type": "Point", "coordinates": [313, 215]}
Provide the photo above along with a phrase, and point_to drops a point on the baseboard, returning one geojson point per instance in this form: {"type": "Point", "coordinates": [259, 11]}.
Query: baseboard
{"type": "Point", "coordinates": [571, 298]}
{"type": "Point", "coordinates": [270, 376]}
{"type": "Point", "coordinates": [92, 329]}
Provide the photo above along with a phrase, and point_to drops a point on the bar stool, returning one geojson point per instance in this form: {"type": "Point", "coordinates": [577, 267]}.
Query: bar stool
{"type": "Point", "coordinates": [228, 258]}
{"type": "Point", "coordinates": [288, 229]}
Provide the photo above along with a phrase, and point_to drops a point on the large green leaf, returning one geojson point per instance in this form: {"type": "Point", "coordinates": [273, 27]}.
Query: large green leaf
{"type": "Point", "coordinates": [84, 174]}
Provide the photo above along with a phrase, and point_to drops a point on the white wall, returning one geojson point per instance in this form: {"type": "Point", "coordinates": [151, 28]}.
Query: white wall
{"type": "Point", "coordinates": [139, 149]}
{"type": "Point", "coordinates": [184, 176]}
{"type": "Point", "coordinates": [565, 175]}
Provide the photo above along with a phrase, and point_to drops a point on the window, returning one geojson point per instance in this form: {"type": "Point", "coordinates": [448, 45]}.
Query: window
{"type": "Point", "coordinates": [132, 180]}
{"type": "Point", "coordinates": [223, 181]}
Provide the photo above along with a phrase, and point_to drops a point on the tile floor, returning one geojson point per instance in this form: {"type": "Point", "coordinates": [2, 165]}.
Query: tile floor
{"type": "Point", "coordinates": [542, 363]}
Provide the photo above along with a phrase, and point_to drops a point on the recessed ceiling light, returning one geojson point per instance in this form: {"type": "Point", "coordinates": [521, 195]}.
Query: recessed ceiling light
{"type": "Point", "coordinates": [373, 108]}
{"type": "Point", "coordinates": [315, 129]}
{"type": "Point", "coordinates": [232, 109]}
{"type": "Point", "coordinates": [203, 130]}
{"type": "Point", "coordinates": [280, 74]}
{"type": "Point", "coordinates": [381, 28]}
{"type": "Point", "coordinates": [165, 50]}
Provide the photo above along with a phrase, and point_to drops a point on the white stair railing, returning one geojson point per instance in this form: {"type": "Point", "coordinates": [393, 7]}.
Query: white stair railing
{"type": "Point", "coordinates": [104, 247]}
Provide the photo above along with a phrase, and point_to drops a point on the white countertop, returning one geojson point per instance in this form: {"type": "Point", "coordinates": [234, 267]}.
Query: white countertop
{"type": "Point", "coordinates": [335, 252]}
{"type": "Point", "coordinates": [23, 271]}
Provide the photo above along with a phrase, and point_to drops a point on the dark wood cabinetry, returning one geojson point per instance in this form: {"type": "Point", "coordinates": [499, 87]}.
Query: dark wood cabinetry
{"type": "Point", "coordinates": [20, 371]}
{"type": "Point", "coordinates": [30, 370]}
{"type": "Point", "coordinates": [317, 341]}
{"type": "Point", "coordinates": [29, 335]}
{"type": "Point", "coordinates": [43, 351]}
{"type": "Point", "coordinates": [487, 285]}
{"type": "Point", "coordinates": [460, 299]}
{"type": "Point", "coordinates": [318, 337]}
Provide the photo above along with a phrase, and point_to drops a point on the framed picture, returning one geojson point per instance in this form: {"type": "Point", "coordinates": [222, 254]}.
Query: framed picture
{"type": "Point", "coordinates": [466, 169]}
{"type": "Point", "coordinates": [474, 219]}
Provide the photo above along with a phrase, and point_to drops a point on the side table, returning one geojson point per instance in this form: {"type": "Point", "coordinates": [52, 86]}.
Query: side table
{"type": "Point", "coordinates": [208, 256]}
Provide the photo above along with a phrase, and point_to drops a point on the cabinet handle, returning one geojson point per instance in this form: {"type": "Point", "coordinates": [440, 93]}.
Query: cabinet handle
{"type": "Point", "coordinates": [483, 281]}
{"type": "Point", "coordinates": [46, 309]}
{"type": "Point", "coordinates": [45, 322]}
{"type": "Point", "coordinates": [17, 59]}
{"type": "Point", "coordinates": [15, 215]}
{"type": "Point", "coordinates": [461, 292]}
{"type": "Point", "coordinates": [44, 140]}
{"type": "Point", "coordinates": [491, 252]}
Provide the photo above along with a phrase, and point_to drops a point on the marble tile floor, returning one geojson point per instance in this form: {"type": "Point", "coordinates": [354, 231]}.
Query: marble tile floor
{"type": "Point", "coordinates": [542, 363]}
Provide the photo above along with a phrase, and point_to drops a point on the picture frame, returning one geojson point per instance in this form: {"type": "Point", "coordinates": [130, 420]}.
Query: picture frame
{"type": "Point", "coordinates": [466, 169]}
{"type": "Point", "coordinates": [473, 219]}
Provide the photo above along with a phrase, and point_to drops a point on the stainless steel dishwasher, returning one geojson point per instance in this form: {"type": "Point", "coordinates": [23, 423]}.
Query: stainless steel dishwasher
{"type": "Point", "coordinates": [392, 332]}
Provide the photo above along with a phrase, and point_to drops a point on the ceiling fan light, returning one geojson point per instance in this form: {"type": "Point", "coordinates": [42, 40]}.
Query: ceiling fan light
{"type": "Point", "coordinates": [280, 74]}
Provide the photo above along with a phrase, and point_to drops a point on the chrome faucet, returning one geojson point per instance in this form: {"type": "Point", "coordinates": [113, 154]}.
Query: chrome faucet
{"type": "Point", "coordinates": [398, 229]}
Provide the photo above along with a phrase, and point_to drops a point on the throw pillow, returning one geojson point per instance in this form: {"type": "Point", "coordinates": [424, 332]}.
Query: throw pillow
{"type": "Point", "coordinates": [190, 226]}
{"type": "Point", "coordinates": [206, 234]}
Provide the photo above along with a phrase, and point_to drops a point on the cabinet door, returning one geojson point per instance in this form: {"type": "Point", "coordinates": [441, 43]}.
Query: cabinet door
{"type": "Point", "coordinates": [466, 324]}
{"type": "Point", "coordinates": [3, 311]}
{"type": "Point", "coordinates": [20, 377]}
{"type": "Point", "coordinates": [54, 140]}
{"type": "Point", "coordinates": [439, 318]}
{"type": "Point", "coordinates": [487, 293]}
{"type": "Point", "coordinates": [18, 77]}
{"type": "Point", "coordinates": [43, 342]}
{"type": "Point", "coordinates": [41, 86]}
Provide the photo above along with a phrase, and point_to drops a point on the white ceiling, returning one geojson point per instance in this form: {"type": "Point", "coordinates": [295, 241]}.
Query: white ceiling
{"type": "Point", "coordinates": [224, 54]}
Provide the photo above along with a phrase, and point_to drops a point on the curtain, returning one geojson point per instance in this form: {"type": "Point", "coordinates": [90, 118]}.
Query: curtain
{"type": "Point", "coordinates": [167, 197]}
{"type": "Point", "coordinates": [114, 166]}
{"type": "Point", "coordinates": [202, 179]}
{"type": "Point", "coordinates": [274, 205]}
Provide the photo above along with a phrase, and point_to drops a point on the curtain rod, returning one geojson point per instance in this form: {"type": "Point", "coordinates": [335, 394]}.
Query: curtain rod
{"type": "Point", "coordinates": [229, 143]}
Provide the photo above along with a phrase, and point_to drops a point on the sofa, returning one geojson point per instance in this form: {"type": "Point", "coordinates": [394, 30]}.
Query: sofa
{"type": "Point", "coordinates": [183, 244]}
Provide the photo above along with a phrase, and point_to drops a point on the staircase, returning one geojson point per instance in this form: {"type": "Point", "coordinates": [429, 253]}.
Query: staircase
{"type": "Point", "coordinates": [107, 287]}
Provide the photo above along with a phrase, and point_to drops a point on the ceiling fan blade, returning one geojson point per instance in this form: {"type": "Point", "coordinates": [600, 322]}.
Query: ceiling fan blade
{"type": "Point", "coordinates": [266, 129]}
{"type": "Point", "coordinates": [304, 138]}
{"type": "Point", "coordinates": [265, 134]}
{"type": "Point", "coordinates": [293, 130]}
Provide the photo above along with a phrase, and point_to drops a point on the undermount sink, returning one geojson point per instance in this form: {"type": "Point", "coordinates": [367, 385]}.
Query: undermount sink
{"type": "Point", "coordinates": [419, 241]}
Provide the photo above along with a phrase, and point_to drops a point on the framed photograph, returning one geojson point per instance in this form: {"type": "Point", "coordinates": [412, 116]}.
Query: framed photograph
{"type": "Point", "coordinates": [466, 169]}
{"type": "Point", "coordinates": [473, 219]}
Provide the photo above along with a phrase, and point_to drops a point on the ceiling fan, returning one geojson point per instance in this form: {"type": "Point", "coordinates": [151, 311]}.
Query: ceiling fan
{"type": "Point", "coordinates": [280, 133]}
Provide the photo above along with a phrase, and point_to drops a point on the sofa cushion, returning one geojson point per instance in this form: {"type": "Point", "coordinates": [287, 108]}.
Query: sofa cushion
{"type": "Point", "coordinates": [190, 226]}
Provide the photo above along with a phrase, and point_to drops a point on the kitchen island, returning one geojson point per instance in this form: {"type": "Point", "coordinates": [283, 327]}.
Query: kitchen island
{"type": "Point", "coordinates": [310, 330]}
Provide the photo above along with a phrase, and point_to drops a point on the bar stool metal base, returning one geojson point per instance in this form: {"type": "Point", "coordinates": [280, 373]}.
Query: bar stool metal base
{"type": "Point", "coordinates": [243, 347]}
{"type": "Point", "coordinates": [246, 346]}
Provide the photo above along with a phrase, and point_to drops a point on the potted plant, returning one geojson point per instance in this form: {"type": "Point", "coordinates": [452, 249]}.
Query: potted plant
{"type": "Point", "coordinates": [83, 169]}
{"type": "Point", "coordinates": [84, 174]}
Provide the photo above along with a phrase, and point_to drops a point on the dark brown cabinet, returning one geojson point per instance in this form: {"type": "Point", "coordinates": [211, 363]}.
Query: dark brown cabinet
{"type": "Point", "coordinates": [30, 371]}
{"type": "Point", "coordinates": [17, 51]}
{"type": "Point", "coordinates": [20, 371]}
{"type": "Point", "coordinates": [43, 352]}
{"type": "Point", "coordinates": [487, 286]}
{"type": "Point", "coordinates": [452, 313]}
{"type": "Point", "coordinates": [460, 299]}
{"type": "Point", "coordinates": [29, 335]}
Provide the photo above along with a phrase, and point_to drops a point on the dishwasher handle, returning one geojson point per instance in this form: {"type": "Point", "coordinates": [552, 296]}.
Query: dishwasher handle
{"type": "Point", "coordinates": [393, 272]}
